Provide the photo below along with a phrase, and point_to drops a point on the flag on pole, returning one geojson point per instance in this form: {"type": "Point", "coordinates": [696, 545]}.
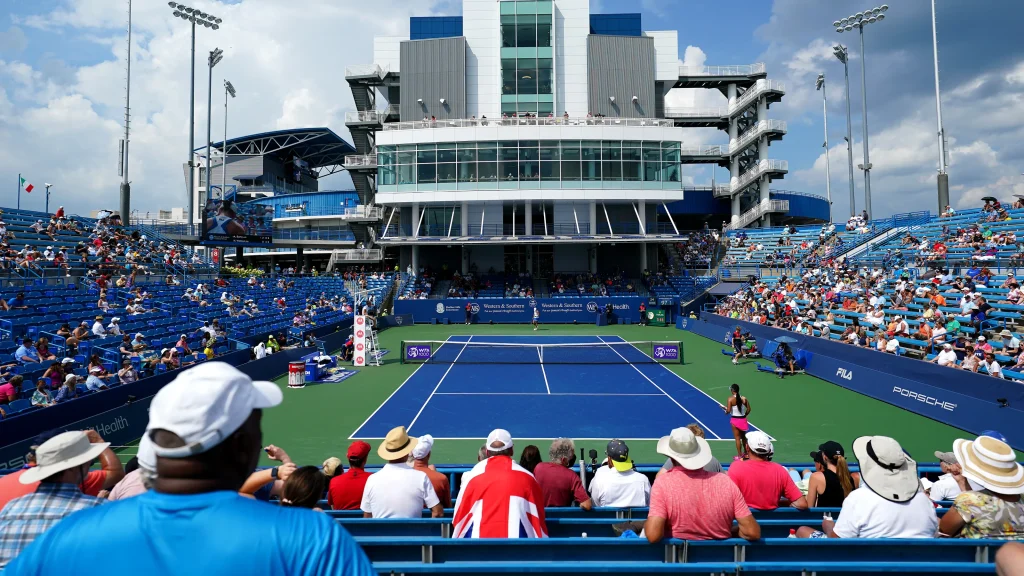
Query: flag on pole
{"type": "Point", "coordinates": [27, 185]}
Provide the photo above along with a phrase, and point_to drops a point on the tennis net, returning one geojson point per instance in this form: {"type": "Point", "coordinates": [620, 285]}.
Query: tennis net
{"type": "Point", "coordinates": [448, 352]}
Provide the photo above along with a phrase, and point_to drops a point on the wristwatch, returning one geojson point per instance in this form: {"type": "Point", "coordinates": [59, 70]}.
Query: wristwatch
{"type": "Point", "coordinates": [273, 472]}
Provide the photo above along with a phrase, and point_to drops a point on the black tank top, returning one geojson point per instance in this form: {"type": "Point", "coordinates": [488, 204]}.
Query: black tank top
{"type": "Point", "coordinates": [832, 496]}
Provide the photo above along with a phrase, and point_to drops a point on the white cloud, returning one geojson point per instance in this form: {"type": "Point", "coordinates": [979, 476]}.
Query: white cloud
{"type": "Point", "coordinates": [286, 59]}
{"type": "Point", "coordinates": [13, 40]}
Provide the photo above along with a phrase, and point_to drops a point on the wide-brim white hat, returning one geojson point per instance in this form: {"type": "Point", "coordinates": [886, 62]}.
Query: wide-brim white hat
{"type": "Point", "coordinates": [689, 451]}
{"type": "Point", "coordinates": [62, 452]}
{"type": "Point", "coordinates": [886, 469]}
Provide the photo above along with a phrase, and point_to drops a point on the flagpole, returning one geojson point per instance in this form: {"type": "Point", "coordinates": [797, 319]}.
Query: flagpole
{"type": "Point", "coordinates": [19, 191]}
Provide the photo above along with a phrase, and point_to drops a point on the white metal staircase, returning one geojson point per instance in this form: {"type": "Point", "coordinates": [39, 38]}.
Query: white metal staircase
{"type": "Point", "coordinates": [766, 206]}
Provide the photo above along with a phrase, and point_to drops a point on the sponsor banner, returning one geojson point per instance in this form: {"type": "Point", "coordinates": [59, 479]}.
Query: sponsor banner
{"type": "Point", "coordinates": [359, 341]}
{"type": "Point", "coordinates": [972, 402]}
{"type": "Point", "coordinates": [666, 352]}
{"type": "Point", "coordinates": [336, 376]}
{"type": "Point", "coordinates": [417, 352]}
{"type": "Point", "coordinates": [520, 310]}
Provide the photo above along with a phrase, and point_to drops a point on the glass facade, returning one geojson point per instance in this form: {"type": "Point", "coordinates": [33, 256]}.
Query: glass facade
{"type": "Point", "coordinates": [529, 164]}
{"type": "Point", "coordinates": [527, 58]}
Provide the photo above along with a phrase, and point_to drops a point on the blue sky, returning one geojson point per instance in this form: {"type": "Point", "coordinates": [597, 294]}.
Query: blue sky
{"type": "Point", "coordinates": [61, 87]}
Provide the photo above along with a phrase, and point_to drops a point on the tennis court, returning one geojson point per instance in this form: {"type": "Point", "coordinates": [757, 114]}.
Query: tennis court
{"type": "Point", "coordinates": [583, 387]}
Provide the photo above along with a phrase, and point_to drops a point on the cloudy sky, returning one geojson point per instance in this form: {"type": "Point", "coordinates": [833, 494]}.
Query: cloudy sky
{"type": "Point", "coordinates": [62, 88]}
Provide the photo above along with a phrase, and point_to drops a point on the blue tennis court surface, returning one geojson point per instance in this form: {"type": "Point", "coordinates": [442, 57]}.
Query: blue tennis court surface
{"type": "Point", "coordinates": [596, 391]}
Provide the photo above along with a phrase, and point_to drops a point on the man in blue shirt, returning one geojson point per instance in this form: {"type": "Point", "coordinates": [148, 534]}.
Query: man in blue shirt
{"type": "Point", "coordinates": [18, 302]}
{"type": "Point", "coordinates": [205, 429]}
{"type": "Point", "coordinates": [26, 352]}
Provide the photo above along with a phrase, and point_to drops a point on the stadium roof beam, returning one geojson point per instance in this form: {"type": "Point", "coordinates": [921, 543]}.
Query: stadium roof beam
{"type": "Point", "coordinates": [321, 148]}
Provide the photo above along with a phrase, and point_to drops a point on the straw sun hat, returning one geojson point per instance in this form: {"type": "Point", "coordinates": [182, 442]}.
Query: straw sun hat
{"type": "Point", "coordinates": [990, 463]}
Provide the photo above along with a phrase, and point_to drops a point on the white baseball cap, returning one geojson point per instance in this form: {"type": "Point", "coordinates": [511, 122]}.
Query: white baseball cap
{"type": "Point", "coordinates": [206, 404]}
{"type": "Point", "coordinates": [501, 437]}
{"type": "Point", "coordinates": [760, 442]}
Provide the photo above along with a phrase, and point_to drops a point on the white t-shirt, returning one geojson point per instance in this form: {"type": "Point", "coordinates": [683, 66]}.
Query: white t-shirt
{"type": "Point", "coordinates": [398, 491]}
{"type": "Point", "coordinates": [892, 345]}
{"type": "Point", "coordinates": [945, 488]}
{"type": "Point", "coordinates": [946, 358]}
{"type": "Point", "coordinates": [615, 489]}
{"type": "Point", "coordinates": [868, 515]}
{"type": "Point", "coordinates": [994, 369]}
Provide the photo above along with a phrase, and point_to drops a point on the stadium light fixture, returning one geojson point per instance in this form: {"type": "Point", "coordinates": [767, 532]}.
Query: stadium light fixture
{"type": "Point", "coordinates": [193, 16]}
{"type": "Point", "coordinates": [216, 55]}
{"type": "Point", "coordinates": [843, 55]}
{"type": "Point", "coordinates": [859, 21]}
{"type": "Point", "coordinates": [229, 89]}
{"type": "Point", "coordinates": [819, 84]}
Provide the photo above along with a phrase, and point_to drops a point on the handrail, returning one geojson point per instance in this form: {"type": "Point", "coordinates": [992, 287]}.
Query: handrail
{"type": "Point", "coordinates": [361, 160]}
{"type": "Point", "coordinates": [372, 116]}
{"type": "Point", "coordinates": [748, 177]}
{"type": "Point", "coordinates": [755, 132]}
{"type": "Point", "coordinates": [360, 70]}
{"type": "Point", "coordinates": [729, 70]}
{"type": "Point", "coordinates": [760, 209]}
{"type": "Point", "coordinates": [707, 150]}
{"type": "Point", "coordinates": [672, 112]}
{"type": "Point", "coordinates": [760, 87]}
{"type": "Point", "coordinates": [550, 121]}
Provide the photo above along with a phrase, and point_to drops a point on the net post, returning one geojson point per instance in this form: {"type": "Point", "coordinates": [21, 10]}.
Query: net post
{"type": "Point", "coordinates": [402, 352]}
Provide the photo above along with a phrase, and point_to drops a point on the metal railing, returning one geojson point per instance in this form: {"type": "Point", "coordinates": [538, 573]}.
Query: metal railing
{"type": "Point", "coordinates": [361, 160]}
{"type": "Point", "coordinates": [551, 121]}
{"type": "Point", "coordinates": [795, 193]}
{"type": "Point", "coordinates": [755, 132]}
{"type": "Point", "coordinates": [333, 234]}
{"type": "Point", "coordinates": [696, 112]}
{"type": "Point", "coordinates": [760, 87]}
{"type": "Point", "coordinates": [373, 254]}
{"type": "Point", "coordinates": [760, 209]}
{"type": "Point", "coordinates": [711, 150]}
{"type": "Point", "coordinates": [733, 70]}
{"type": "Point", "coordinates": [748, 177]}
{"type": "Point", "coordinates": [368, 116]}
{"type": "Point", "coordinates": [359, 70]}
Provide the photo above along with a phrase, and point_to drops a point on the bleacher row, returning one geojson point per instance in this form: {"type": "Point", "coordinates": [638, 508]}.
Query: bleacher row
{"type": "Point", "coordinates": [19, 224]}
{"type": "Point", "coordinates": [424, 545]}
{"type": "Point", "coordinates": [1004, 315]}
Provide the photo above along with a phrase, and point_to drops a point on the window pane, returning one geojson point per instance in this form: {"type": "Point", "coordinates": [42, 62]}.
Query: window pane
{"type": "Point", "coordinates": [508, 32]}
{"type": "Point", "coordinates": [544, 30]}
{"type": "Point", "coordinates": [385, 158]}
{"type": "Point", "coordinates": [670, 171]}
{"type": "Point", "coordinates": [467, 171]}
{"type": "Point", "coordinates": [591, 150]}
{"type": "Point", "coordinates": [631, 171]}
{"type": "Point", "coordinates": [527, 153]}
{"type": "Point", "coordinates": [446, 155]}
{"type": "Point", "coordinates": [509, 171]}
{"type": "Point", "coordinates": [488, 171]}
{"type": "Point", "coordinates": [545, 109]}
{"type": "Point", "coordinates": [570, 149]}
{"type": "Point", "coordinates": [612, 170]}
{"type": "Point", "coordinates": [508, 108]}
{"type": "Point", "coordinates": [527, 76]}
{"type": "Point", "coordinates": [549, 151]}
{"type": "Point", "coordinates": [652, 171]}
{"type": "Point", "coordinates": [386, 175]}
{"type": "Point", "coordinates": [446, 172]}
{"type": "Point", "coordinates": [508, 76]}
{"type": "Point", "coordinates": [487, 151]}
{"type": "Point", "coordinates": [426, 157]}
{"type": "Point", "coordinates": [406, 158]}
{"type": "Point", "coordinates": [467, 155]}
{"type": "Point", "coordinates": [571, 170]}
{"type": "Point", "coordinates": [549, 170]}
{"type": "Point", "coordinates": [406, 174]}
{"type": "Point", "coordinates": [509, 150]}
{"type": "Point", "coordinates": [611, 150]}
{"type": "Point", "coordinates": [526, 30]}
{"type": "Point", "coordinates": [591, 169]}
{"type": "Point", "coordinates": [544, 76]}
{"type": "Point", "coordinates": [426, 173]}
{"type": "Point", "coordinates": [529, 170]}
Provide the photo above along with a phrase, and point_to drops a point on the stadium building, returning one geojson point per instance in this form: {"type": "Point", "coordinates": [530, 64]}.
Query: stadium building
{"type": "Point", "coordinates": [535, 136]}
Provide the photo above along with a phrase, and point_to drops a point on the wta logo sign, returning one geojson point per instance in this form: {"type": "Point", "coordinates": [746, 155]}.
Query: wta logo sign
{"type": "Point", "coordinates": [474, 308]}
{"type": "Point", "coordinates": [592, 307]}
{"type": "Point", "coordinates": [359, 341]}
{"type": "Point", "coordinates": [439, 308]}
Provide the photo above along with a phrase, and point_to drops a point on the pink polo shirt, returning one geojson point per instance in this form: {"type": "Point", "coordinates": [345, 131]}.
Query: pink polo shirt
{"type": "Point", "coordinates": [699, 505]}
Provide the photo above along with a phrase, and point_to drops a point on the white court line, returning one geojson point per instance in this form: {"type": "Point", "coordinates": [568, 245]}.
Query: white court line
{"type": "Point", "coordinates": [353, 436]}
{"type": "Point", "coordinates": [703, 425]}
{"type": "Point", "coordinates": [542, 371]}
{"type": "Point", "coordinates": [698, 390]}
{"type": "Point", "coordinates": [537, 394]}
{"type": "Point", "coordinates": [434, 391]}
